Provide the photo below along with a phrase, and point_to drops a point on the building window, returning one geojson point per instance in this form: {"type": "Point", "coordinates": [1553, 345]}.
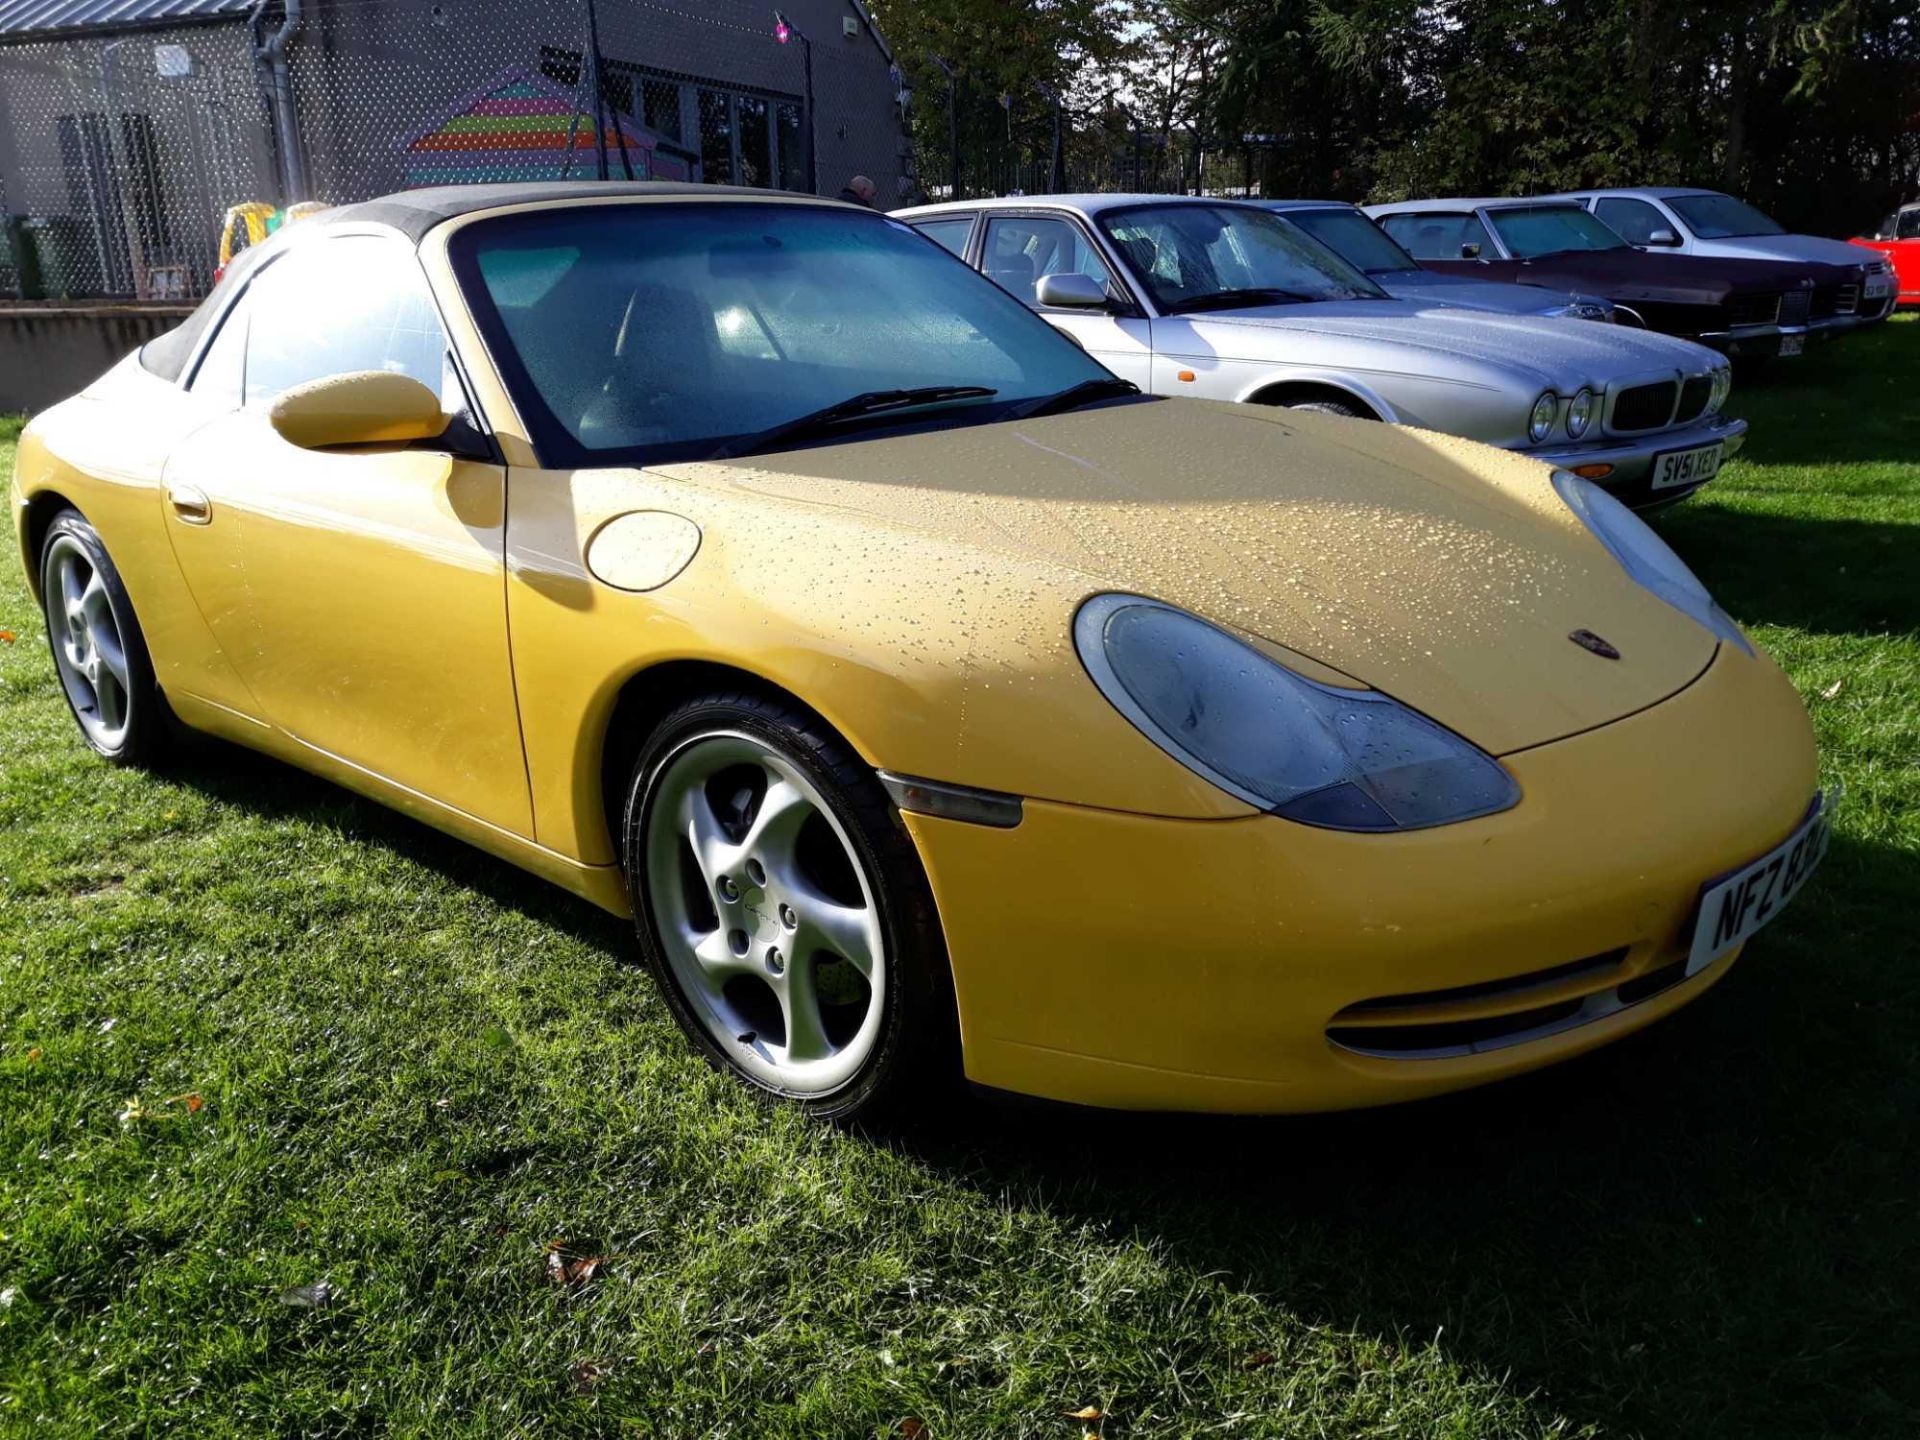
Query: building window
{"type": "Point", "coordinates": [662, 101]}
{"type": "Point", "coordinates": [756, 143]}
{"type": "Point", "coordinates": [747, 137]}
{"type": "Point", "coordinates": [716, 137]}
{"type": "Point", "coordinates": [790, 146]}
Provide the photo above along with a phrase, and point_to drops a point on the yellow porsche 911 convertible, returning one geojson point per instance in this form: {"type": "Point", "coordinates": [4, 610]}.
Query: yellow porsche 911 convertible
{"type": "Point", "coordinates": [935, 703]}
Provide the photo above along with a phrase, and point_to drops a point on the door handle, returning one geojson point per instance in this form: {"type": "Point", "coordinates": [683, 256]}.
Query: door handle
{"type": "Point", "coordinates": [190, 503]}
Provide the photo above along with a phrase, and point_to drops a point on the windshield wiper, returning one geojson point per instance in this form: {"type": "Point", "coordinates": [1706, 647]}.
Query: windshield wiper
{"type": "Point", "coordinates": [1224, 299]}
{"type": "Point", "coordinates": [867, 402]}
{"type": "Point", "coordinates": [1108, 387]}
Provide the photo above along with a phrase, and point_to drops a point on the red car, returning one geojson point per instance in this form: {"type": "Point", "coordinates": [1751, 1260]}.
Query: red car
{"type": "Point", "coordinates": [1899, 240]}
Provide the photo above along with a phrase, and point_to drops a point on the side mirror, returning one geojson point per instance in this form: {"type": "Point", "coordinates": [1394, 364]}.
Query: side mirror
{"type": "Point", "coordinates": [1070, 290]}
{"type": "Point", "coordinates": [1662, 236]}
{"type": "Point", "coordinates": [366, 407]}
{"type": "Point", "coordinates": [1470, 251]}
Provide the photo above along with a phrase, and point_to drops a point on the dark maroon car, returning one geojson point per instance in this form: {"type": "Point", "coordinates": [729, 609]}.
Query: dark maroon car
{"type": "Point", "coordinates": [1741, 307]}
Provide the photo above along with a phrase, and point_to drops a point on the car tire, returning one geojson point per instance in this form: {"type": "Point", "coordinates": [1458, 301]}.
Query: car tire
{"type": "Point", "coordinates": [758, 848]}
{"type": "Point", "coordinates": [1331, 407]}
{"type": "Point", "coordinates": [99, 651]}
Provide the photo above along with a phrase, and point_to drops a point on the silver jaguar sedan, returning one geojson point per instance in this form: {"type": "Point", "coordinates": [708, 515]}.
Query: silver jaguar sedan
{"type": "Point", "coordinates": [1223, 300]}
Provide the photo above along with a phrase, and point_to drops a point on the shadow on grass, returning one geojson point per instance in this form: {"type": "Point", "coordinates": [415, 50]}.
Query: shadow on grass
{"type": "Point", "coordinates": [1844, 402]}
{"type": "Point", "coordinates": [1821, 575]}
{"type": "Point", "coordinates": [272, 789]}
{"type": "Point", "coordinates": [1699, 1230]}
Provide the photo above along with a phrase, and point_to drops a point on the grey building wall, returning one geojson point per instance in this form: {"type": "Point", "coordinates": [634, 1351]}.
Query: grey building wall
{"type": "Point", "coordinates": [371, 75]}
{"type": "Point", "coordinates": [49, 352]}
{"type": "Point", "coordinates": [124, 150]}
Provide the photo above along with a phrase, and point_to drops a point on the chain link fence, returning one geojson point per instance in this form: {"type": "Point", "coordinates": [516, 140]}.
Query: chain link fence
{"type": "Point", "coordinates": [142, 142]}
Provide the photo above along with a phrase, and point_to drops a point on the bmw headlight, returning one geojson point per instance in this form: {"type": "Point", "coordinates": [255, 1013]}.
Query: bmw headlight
{"type": "Point", "coordinates": [1646, 558]}
{"type": "Point", "coordinates": [1579, 413]}
{"type": "Point", "coordinates": [1321, 755]}
{"type": "Point", "coordinates": [1722, 386]}
{"type": "Point", "coordinates": [1540, 421]}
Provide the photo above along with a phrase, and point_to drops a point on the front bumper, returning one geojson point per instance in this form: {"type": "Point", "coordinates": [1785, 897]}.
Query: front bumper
{"type": "Point", "coordinates": [1632, 458]}
{"type": "Point", "coordinates": [1127, 961]}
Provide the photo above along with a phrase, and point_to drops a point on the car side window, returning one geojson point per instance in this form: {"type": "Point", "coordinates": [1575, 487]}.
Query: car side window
{"type": "Point", "coordinates": [1020, 249]}
{"type": "Point", "coordinates": [1636, 220]}
{"type": "Point", "coordinates": [1440, 235]}
{"type": "Point", "coordinates": [341, 305]}
{"type": "Point", "coordinates": [221, 376]}
{"type": "Point", "coordinates": [949, 235]}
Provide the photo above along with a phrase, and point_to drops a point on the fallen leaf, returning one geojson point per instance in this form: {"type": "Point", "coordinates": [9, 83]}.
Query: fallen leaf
{"type": "Point", "coordinates": [317, 1296]}
{"type": "Point", "coordinates": [1257, 1360]}
{"type": "Point", "coordinates": [1833, 691]}
{"type": "Point", "coordinates": [912, 1427]}
{"type": "Point", "coordinates": [34, 1052]}
{"type": "Point", "coordinates": [576, 1271]}
{"type": "Point", "coordinates": [7, 637]}
{"type": "Point", "coordinates": [588, 1374]}
{"type": "Point", "coordinates": [192, 1102]}
{"type": "Point", "coordinates": [133, 1110]}
{"type": "Point", "coordinates": [1087, 1412]}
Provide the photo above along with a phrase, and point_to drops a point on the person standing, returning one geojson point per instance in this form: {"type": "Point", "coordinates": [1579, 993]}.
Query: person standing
{"type": "Point", "coordinates": [859, 191]}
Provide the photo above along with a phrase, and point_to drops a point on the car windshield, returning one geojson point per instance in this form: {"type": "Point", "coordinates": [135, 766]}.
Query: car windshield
{"type": "Point", "coordinates": [1198, 257]}
{"type": "Point", "coordinates": [1354, 238]}
{"type": "Point", "coordinates": [653, 332]}
{"type": "Point", "coordinates": [1721, 217]}
{"type": "Point", "coordinates": [1530, 231]}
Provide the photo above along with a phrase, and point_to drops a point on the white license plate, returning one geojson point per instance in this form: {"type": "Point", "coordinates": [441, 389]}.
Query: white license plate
{"type": "Point", "coordinates": [1686, 467]}
{"type": "Point", "coordinates": [1734, 907]}
{"type": "Point", "coordinates": [1792, 344]}
{"type": "Point", "coordinates": [1878, 285]}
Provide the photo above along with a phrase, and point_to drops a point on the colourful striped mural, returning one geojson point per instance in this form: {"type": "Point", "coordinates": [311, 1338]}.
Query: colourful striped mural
{"type": "Point", "coordinates": [516, 128]}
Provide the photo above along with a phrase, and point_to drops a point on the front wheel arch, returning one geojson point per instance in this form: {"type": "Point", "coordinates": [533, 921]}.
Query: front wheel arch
{"type": "Point", "coordinates": [1300, 392]}
{"type": "Point", "coordinates": [43, 508]}
{"type": "Point", "coordinates": [648, 696]}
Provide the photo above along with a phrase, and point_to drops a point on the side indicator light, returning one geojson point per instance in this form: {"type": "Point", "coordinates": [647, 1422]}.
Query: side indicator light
{"type": "Point", "coordinates": [1186, 375]}
{"type": "Point", "coordinates": [1593, 472]}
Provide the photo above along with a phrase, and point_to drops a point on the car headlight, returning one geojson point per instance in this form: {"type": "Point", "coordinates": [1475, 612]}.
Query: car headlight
{"type": "Point", "coordinates": [1648, 560]}
{"type": "Point", "coordinates": [1580, 413]}
{"type": "Point", "coordinates": [1722, 387]}
{"type": "Point", "coordinates": [1540, 421]}
{"type": "Point", "coordinates": [1320, 755]}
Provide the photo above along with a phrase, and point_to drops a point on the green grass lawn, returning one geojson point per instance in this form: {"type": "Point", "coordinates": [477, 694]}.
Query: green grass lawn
{"type": "Point", "coordinates": [419, 1070]}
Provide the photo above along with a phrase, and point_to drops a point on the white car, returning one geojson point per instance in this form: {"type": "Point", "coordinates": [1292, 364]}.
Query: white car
{"type": "Point", "coordinates": [1708, 222]}
{"type": "Point", "coordinates": [1223, 300]}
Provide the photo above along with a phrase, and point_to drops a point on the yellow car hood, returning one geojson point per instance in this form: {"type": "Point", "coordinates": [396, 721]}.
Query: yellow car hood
{"type": "Point", "coordinates": [1442, 572]}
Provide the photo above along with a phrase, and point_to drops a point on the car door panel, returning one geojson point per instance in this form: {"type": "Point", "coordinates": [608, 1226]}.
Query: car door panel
{"type": "Point", "coordinates": [359, 593]}
{"type": "Point", "coordinates": [108, 448]}
{"type": "Point", "coordinates": [1122, 343]}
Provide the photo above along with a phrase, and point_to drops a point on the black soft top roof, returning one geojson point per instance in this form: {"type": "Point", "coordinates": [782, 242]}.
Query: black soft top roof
{"type": "Point", "coordinates": [415, 212]}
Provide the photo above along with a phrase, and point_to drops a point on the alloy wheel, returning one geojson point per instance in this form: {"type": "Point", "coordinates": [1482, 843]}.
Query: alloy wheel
{"type": "Point", "coordinates": [767, 919]}
{"type": "Point", "coordinates": [88, 648]}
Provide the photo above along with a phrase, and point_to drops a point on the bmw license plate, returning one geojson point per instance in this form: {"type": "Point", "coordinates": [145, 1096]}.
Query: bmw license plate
{"type": "Point", "coordinates": [1733, 907]}
{"type": "Point", "coordinates": [1686, 467]}
{"type": "Point", "coordinates": [1792, 344]}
